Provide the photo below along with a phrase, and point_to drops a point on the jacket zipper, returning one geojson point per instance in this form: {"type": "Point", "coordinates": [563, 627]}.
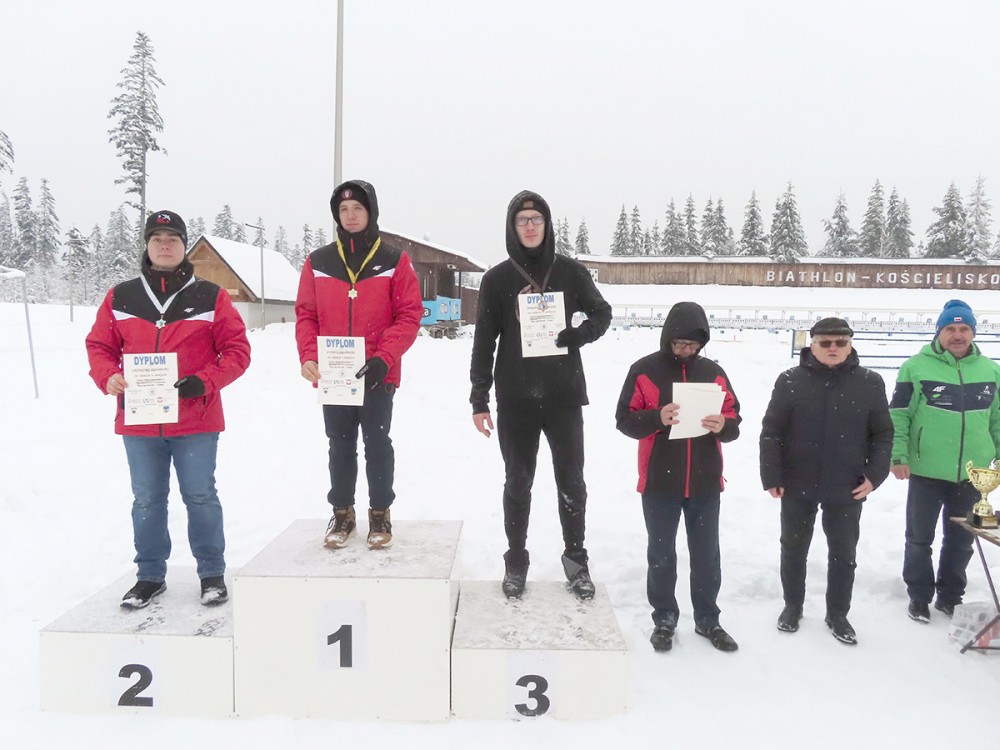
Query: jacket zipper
{"type": "Point", "coordinates": [156, 348]}
{"type": "Point", "coordinates": [961, 434]}
{"type": "Point", "coordinates": [687, 472]}
{"type": "Point", "coordinates": [350, 299]}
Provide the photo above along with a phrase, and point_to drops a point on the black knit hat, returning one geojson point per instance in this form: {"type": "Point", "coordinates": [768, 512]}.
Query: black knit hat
{"type": "Point", "coordinates": [831, 327]}
{"type": "Point", "coordinates": [349, 191]}
{"type": "Point", "coordinates": [165, 220]}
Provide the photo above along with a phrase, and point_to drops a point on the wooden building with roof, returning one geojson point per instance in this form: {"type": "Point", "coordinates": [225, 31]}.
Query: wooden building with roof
{"type": "Point", "coordinates": [236, 267]}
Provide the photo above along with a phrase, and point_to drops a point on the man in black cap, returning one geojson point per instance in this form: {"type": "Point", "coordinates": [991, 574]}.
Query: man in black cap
{"type": "Point", "coordinates": [167, 309]}
{"type": "Point", "coordinates": [682, 475]}
{"type": "Point", "coordinates": [536, 394]}
{"type": "Point", "coordinates": [825, 441]}
{"type": "Point", "coordinates": [357, 286]}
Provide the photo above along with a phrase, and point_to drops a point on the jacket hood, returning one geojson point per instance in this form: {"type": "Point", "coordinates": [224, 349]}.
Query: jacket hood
{"type": "Point", "coordinates": [686, 320]}
{"type": "Point", "coordinates": [367, 237]}
{"type": "Point", "coordinates": [545, 254]}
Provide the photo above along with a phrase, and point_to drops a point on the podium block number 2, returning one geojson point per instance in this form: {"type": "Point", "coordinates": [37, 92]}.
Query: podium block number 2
{"type": "Point", "coordinates": [343, 635]}
{"type": "Point", "coordinates": [132, 697]}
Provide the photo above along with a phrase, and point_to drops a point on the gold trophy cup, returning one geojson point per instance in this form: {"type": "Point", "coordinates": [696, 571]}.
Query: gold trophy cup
{"type": "Point", "coordinates": [985, 480]}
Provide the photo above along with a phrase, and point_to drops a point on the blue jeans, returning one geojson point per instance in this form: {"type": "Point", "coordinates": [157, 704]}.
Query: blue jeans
{"type": "Point", "coordinates": [701, 520]}
{"type": "Point", "coordinates": [926, 501]}
{"type": "Point", "coordinates": [194, 462]}
{"type": "Point", "coordinates": [374, 417]}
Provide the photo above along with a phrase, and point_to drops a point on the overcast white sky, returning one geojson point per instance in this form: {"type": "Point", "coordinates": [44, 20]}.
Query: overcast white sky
{"type": "Point", "coordinates": [452, 106]}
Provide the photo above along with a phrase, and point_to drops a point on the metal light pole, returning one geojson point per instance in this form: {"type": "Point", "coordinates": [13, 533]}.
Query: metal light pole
{"type": "Point", "coordinates": [338, 122]}
{"type": "Point", "coordinates": [260, 238]}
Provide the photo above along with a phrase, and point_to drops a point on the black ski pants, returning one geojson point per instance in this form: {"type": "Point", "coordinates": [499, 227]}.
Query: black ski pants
{"type": "Point", "coordinates": [519, 428]}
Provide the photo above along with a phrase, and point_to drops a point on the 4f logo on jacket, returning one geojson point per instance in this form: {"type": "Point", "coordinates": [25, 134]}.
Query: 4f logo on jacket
{"type": "Point", "coordinates": [959, 397]}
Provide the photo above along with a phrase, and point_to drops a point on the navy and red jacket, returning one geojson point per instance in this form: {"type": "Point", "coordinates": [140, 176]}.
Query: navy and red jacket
{"type": "Point", "coordinates": [388, 307]}
{"type": "Point", "coordinates": [685, 467]}
{"type": "Point", "coordinates": [201, 326]}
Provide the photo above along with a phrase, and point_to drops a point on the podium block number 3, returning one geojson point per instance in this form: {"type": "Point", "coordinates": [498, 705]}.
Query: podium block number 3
{"type": "Point", "coordinates": [537, 685]}
{"type": "Point", "coordinates": [343, 635]}
{"type": "Point", "coordinates": [132, 697]}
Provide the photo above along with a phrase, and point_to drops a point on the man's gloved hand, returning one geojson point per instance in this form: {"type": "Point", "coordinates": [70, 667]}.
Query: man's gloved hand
{"type": "Point", "coordinates": [190, 386]}
{"type": "Point", "coordinates": [375, 369]}
{"type": "Point", "coordinates": [570, 337]}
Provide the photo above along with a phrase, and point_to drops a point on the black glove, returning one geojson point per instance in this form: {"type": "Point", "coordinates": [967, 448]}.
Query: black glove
{"type": "Point", "coordinates": [376, 369]}
{"type": "Point", "coordinates": [190, 387]}
{"type": "Point", "coordinates": [571, 337]}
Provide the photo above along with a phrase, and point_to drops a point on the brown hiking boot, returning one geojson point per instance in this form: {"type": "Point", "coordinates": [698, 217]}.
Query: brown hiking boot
{"type": "Point", "coordinates": [341, 528]}
{"type": "Point", "coordinates": [379, 529]}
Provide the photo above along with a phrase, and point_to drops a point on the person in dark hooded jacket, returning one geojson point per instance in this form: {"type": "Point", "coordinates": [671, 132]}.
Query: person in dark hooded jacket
{"type": "Point", "coordinates": [536, 394]}
{"type": "Point", "coordinates": [825, 441]}
{"type": "Point", "coordinates": [682, 475]}
{"type": "Point", "coordinates": [357, 286]}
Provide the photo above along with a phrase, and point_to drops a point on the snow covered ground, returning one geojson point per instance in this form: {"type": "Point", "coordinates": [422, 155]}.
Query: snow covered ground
{"type": "Point", "coordinates": [64, 521]}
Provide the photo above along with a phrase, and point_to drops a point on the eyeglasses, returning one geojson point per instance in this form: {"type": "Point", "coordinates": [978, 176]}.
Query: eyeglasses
{"type": "Point", "coordinates": [521, 221]}
{"type": "Point", "coordinates": [839, 343]}
{"type": "Point", "coordinates": [681, 344]}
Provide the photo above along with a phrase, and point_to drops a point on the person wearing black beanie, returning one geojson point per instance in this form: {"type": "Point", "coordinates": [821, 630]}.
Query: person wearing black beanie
{"type": "Point", "coordinates": [536, 394]}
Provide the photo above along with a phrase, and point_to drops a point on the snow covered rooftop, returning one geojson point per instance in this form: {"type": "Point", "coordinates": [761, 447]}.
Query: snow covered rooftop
{"type": "Point", "coordinates": [10, 273]}
{"type": "Point", "coordinates": [281, 280]}
{"type": "Point", "coordinates": [442, 248]}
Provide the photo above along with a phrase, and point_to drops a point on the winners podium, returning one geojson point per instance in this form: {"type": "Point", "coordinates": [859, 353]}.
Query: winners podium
{"type": "Point", "coordinates": [341, 634]}
{"type": "Point", "coordinates": [347, 634]}
{"type": "Point", "coordinates": [175, 657]}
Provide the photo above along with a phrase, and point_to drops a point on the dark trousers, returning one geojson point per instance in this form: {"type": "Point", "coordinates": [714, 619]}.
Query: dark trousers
{"type": "Point", "coordinates": [927, 500]}
{"type": "Point", "coordinates": [701, 521]}
{"type": "Point", "coordinates": [519, 430]}
{"type": "Point", "coordinates": [842, 526]}
{"type": "Point", "coordinates": [374, 417]}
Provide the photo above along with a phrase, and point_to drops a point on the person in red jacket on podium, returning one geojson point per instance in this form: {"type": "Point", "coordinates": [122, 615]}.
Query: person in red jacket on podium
{"type": "Point", "coordinates": [167, 312]}
{"type": "Point", "coordinates": [359, 287]}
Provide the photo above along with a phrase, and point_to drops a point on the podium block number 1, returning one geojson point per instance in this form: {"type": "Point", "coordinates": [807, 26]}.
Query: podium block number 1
{"type": "Point", "coordinates": [342, 630]}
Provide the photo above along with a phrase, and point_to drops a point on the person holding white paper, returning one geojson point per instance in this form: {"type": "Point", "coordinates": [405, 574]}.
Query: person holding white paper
{"type": "Point", "coordinates": [682, 476]}
{"type": "Point", "coordinates": [358, 287]}
{"type": "Point", "coordinates": [536, 394]}
{"type": "Point", "coordinates": [162, 320]}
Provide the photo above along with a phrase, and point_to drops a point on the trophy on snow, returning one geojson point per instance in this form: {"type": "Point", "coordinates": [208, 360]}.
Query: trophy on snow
{"type": "Point", "coordinates": [985, 480]}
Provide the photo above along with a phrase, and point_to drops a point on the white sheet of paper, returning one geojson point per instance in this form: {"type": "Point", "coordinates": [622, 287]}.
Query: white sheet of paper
{"type": "Point", "coordinates": [696, 401]}
{"type": "Point", "coordinates": [150, 397]}
{"type": "Point", "coordinates": [340, 357]}
{"type": "Point", "coordinates": [543, 316]}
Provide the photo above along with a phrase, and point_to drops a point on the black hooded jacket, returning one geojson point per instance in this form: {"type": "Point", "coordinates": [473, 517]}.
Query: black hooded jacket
{"type": "Point", "coordinates": [825, 429]}
{"type": "Point", "coordinates": [357, 245]}
{"type": "Point", "coordinates": [685, 467]}
{"type": "Point", "coordinates": [518, 379]}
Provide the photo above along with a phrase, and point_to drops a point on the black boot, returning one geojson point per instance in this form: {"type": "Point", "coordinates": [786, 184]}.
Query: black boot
{"type": "Point", "coordinates": [578, 575]}
{"type": "Point", "coordinates": [788, 620]}
{"type": "Point", "coordinates": [515, 573]}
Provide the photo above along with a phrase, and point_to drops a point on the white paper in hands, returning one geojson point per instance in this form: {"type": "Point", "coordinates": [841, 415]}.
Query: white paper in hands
{"type": "Point", "coordinates": [696, 401]}
{"type": "Point", "coordinates": [150, 397]}
{"type": "Point", "coordinates": [340, 357]}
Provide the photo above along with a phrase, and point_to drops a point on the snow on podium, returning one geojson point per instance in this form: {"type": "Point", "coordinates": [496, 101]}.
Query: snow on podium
{"type": "Point", "coordinates": [352, 634]}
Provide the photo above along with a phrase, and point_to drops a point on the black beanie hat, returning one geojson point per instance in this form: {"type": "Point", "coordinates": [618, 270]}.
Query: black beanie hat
{"type": "Point", "coordinates": [165, 220]}
{"type": "Point", "coordinates": [349, 192]}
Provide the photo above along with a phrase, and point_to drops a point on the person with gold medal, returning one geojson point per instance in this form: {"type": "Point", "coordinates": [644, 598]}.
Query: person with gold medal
{"type": "Point", "coordinates": [357, 287]}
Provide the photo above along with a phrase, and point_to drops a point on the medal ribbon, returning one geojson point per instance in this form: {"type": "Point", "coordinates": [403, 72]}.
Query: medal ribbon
{"type": "Point", "coordinates": [350, 274]}
{"type": "Point", "coordinates": [525, 274]}
{"type": "Point", "coordinates": [166, 305]}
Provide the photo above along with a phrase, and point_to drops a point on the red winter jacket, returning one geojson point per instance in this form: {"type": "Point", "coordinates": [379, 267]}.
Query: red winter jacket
{"type": "Point", "coordinates": [201, 326]}
{"type": "Point", "coordinates": [386, 311]}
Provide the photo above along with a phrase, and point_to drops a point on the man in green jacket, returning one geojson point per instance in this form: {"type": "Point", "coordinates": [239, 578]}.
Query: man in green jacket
{"type": "Point", "coordinates": [945, 412]}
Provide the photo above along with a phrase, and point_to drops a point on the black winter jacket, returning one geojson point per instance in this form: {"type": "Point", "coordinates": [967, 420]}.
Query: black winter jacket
{"type": "Point", "coordinates": [686, 467]}
{"type": "Point", "coordinates": [825, 430]}
{"type": "Point", "coordinates": [520, 380]}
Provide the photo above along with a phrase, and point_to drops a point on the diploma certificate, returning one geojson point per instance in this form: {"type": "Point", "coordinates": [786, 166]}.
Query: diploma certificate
{"type": "Point", "coordinates": [696, 401]}
{"type": "Point", "coordinates": [150, 397]}
{"type": "Point", "coordinates": [340, 357]}
{"type": "Point", "coordinates": [543, 316]}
